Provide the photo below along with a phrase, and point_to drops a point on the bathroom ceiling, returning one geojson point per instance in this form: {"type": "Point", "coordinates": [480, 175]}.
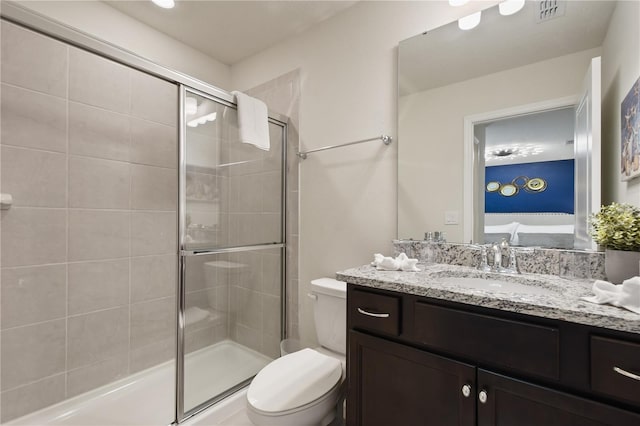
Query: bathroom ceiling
{"type": "Point", "coordinates": [500, 43]}
{"type": "Point", "coordinates": [231, 31]}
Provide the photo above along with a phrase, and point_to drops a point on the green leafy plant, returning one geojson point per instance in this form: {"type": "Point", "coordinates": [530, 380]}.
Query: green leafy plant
{"type": "Point", "coordinates": [616, 227]}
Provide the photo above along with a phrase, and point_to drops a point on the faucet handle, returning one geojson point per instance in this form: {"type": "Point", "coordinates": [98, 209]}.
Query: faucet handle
{"type": "Point", "coordinates": [484, 265]}
{"type": "Point", "coordinates": [512, 267]}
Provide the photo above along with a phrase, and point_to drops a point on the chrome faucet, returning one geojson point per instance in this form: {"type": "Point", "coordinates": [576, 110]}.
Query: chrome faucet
{"type": "Point", "coordinates": [498, 250]}
{"type": "Point", "coordinates": [497, 257]}
{"type": "Point", "coordinates": [512, 267]}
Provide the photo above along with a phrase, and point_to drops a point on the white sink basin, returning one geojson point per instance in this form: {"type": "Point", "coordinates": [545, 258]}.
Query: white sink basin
{"type": "Point", "coordinates": [489, 284]}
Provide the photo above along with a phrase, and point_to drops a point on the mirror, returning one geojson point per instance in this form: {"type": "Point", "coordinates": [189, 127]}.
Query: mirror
{"type": "Point", "coordinates": [524, 179]}
{"type": "Point", "coordinates": [458, 87]}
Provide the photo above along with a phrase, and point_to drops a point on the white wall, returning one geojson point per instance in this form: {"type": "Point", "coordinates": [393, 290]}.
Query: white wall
{"type": "Point", "coordinates": [106, 23]}
{"type": "Point", "coordinates": [620, 70]}
{"type": "Point", "coordinates": [432, 158]}
{"type": "Point", "coordinates": [349, 92]}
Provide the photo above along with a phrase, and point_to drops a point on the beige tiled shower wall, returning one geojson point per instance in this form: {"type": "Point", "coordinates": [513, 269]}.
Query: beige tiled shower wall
{"type": "Point", "coordinates": [254, 212]}
{"type": "Point", "coordinates": [88, 250]}
{"type": "Point", "coordinates": [233, 194]}
{"type": "Point", "coordinates": [282, 95]}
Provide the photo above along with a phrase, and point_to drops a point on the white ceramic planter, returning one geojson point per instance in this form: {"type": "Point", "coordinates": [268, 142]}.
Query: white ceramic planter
{"type": "Point", "coordinates": [621, 265]}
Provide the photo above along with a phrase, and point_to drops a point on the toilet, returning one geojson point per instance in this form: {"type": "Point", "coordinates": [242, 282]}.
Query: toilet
{"type": "Point", "coordinates": [305, 387]}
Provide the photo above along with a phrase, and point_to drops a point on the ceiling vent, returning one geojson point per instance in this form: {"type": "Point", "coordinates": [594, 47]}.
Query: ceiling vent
{"type": "Point", "coordinates": [550, 9]}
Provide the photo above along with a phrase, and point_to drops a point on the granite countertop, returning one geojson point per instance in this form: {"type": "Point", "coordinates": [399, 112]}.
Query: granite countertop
{"type": "Point", "coordinates": [561, 302]}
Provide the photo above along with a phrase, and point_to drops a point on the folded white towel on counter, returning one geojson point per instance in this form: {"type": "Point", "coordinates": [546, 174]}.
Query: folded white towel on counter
{"type": "Point", "coordinates": [400, 263]}
{"type": "Point", "coordinates": [388, 264]}
{"type": "Point", "coordinates": [253, 121]}
{"type": "Point", "coordinates": [625, 295]}
{"type": "Point", "coordinates": [409, 265]}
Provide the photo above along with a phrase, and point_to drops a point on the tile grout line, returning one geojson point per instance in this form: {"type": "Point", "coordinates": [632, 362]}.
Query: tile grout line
{"type": "Point", "coordinates": [87, 156]}
{"type": "Point", "coordinates": [74, 262]}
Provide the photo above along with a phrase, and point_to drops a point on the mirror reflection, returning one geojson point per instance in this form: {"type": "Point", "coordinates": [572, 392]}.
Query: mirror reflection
{"type": "Point", "coordinates": [492, 99]}
{"type": "Point", "coordinates": [525, 174]}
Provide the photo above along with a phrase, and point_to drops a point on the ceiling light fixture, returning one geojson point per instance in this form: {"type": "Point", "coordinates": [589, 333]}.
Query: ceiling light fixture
{"type": "Point", "coordinates": [503, 152]}
{"type": "Point", "coordinates": [509, 7]}
{"type": "Point", "coordinates": [456, 3]}
{"type": "Point", "coordinates": [165, 4]}
{"type": "Point", "coordinates": [470, 21]}
{"type": "Point", "coordinates": [509, 152]}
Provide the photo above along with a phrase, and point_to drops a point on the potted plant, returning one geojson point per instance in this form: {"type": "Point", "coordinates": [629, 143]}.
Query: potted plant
{"type": "Point", "coordinates": [616, 228]}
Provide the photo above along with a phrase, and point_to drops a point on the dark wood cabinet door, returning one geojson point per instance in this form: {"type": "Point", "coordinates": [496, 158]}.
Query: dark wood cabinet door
{"type": "Point", "coordinates": [511, 402]}
{"type": "Point", "coordinates": [392, 384]}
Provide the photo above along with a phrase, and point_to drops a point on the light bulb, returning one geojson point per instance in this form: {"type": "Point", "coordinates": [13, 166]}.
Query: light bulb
{"type": "Point", "coordinates": [509, 7]}
{"type": "Point", "coordinates": [470, 21]}
{"type": "Point", "coordinates": [456, 3]}
{"type": "Point", "coordinates": [165, 4]}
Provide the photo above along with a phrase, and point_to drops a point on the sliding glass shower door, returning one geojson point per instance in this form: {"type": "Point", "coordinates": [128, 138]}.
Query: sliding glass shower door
{"type": "Point", "coordinates": [90, 250]}
{"type": "Point", "coordinates": [232, 250]}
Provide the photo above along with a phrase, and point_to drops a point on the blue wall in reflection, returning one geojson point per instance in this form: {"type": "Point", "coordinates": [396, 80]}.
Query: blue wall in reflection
{"type": "Point", "coordinates": [556, 198]}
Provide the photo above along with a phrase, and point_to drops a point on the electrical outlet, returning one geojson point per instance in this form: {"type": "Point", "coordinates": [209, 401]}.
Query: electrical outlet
{"type": "Point", "coordinates": [452, 217]}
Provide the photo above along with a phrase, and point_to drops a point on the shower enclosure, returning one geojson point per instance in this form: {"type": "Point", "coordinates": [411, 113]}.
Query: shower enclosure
{"type": "Point", "coordinates": [142, 255]}
{"type": "Point", "coordinates": [232, 251]}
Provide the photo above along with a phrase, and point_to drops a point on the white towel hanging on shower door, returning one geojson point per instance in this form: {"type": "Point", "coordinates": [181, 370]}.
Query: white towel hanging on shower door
{"type": "Point", "coordinates": [253, 121]}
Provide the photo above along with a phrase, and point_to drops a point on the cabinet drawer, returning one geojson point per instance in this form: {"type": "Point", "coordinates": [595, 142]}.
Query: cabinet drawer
{"type": "Point", "coordinates": [376, 312]}
{"type": "Point", "coordinates": [615, 368]}
{"type": "Point", "coordinates": [503, 343]}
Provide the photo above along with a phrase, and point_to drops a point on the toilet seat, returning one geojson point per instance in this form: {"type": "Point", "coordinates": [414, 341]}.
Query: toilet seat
{"type": "Point", "coordinates": [294, 381]}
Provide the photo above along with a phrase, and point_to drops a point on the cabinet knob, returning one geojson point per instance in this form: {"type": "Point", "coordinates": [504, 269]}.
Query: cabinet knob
{"type": "Point", "coordinates": [466, 390]}
{"type": "Point", "coordinates": [482, 396]}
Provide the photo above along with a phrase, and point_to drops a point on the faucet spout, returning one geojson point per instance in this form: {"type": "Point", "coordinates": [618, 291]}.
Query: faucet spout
{"type": "Point", "coordinates": [497, 257]}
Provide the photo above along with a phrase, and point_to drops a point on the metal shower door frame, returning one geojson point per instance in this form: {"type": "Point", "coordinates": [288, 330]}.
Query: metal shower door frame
{"type": "Point", "coordinates": [184, 253]}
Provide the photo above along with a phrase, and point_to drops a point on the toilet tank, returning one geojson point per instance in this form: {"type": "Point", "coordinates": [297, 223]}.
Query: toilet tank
{"type": "Point", "coordinates": [330, 313]}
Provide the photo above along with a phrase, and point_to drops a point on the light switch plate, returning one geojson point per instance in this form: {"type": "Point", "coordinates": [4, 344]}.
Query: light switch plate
{"type": "Point", "coordinates": [452, 217]}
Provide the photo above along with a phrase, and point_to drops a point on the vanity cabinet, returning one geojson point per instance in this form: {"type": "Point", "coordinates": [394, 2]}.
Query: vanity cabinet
{"type": "Point", "coordinates": [395, 384]}
{"type": "Point", "coordinates": [417, 361]}
{"type": "Point", "coordinates": [512, 402]}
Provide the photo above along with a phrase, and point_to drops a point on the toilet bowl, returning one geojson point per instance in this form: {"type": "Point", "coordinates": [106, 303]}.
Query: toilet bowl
{"type": "Point", "coordinates": [305, 387]}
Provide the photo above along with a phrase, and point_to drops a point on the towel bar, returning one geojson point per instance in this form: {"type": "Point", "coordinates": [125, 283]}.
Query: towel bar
{"type": "Point", "coordinates": [384, 138]}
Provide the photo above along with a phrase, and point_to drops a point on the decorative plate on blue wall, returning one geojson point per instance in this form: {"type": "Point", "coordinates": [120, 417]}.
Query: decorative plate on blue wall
{"type": "Point", "coordinates": [544, 187]}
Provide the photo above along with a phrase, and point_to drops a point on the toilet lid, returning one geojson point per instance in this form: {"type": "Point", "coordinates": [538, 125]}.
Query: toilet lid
{"type": "Point", "coordinates": [293, 381]}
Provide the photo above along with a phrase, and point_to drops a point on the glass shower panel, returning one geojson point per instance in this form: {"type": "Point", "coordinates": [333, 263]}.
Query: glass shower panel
{"type": "Point", "coordinates": [232, 320]}
{"type": "Point", "coordinates": [233, 242]}
{"type": "Point", "coordinates": [233, 189]}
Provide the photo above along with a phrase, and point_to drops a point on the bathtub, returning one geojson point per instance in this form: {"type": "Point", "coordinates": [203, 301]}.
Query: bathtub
{"type": "Point", "coordinates": [147, 398]}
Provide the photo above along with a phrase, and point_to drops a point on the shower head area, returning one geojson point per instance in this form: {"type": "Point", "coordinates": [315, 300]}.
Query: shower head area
{"type": "Point", "coordinates": [143, 253]}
